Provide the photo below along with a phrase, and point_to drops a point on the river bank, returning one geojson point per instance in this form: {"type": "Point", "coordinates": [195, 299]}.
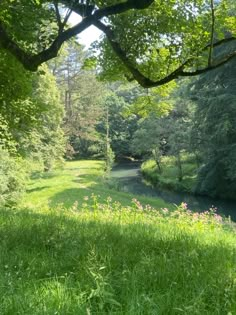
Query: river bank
{"type": "Point", "coordinates": [73, 247]}
{"type": "Point", "coordinates": [129, 179]}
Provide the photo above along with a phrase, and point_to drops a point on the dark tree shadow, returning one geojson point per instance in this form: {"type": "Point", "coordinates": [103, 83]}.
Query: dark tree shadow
{"type": "Point", "coordinates": [37, 189]}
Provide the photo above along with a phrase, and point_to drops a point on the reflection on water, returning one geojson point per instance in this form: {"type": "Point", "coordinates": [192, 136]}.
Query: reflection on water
{"type": "Point", "coordinates": [130, 180]}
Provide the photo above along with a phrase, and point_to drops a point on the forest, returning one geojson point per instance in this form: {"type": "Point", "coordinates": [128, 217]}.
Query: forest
{"type": "Point", "coordinates": [92, 140]}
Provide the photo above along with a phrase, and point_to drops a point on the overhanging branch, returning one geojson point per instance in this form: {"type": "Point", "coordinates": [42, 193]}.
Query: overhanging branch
{"type": "Point", "coordinates": [109, 10]}
{"type": "Point", "coordinates": [179, 72]}
{"type": "Point", "coordinates": [31, 62]}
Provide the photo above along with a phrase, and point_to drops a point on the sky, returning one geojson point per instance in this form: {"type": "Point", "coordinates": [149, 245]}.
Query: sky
{"type": "Point", "coordinates": [89, 35]}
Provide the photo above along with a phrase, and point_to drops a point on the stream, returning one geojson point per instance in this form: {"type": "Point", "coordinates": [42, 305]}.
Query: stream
{"type": "Point", "coordinates": [129, 178]}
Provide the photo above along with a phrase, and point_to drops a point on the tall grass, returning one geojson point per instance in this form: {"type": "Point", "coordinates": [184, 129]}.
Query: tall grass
{"type": "Point", "coordinates": [110, 259]}
{"type": "Point", "coordinates": [66, 251]}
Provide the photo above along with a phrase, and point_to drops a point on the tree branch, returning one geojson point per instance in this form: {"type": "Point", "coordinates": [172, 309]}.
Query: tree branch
{"type": "Point", "coordinates": [109, 10]}
{"type": "Point", "coordinates": [145, 81]}
{"type": "Point", "coordinates": [211, 67]}
{"type": "Point", "coordinates": [212, 32]}
{"type": "Point", "coordinates": [220, 42]}
{"type": "Point", "coordinates": [122, 7]}
{"type": "Point", "coordinates": [58, 16]}
{"type": "Point", "coordinates": [31, 62]}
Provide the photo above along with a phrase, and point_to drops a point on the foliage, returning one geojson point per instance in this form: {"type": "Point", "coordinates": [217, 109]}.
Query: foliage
{"type": "Point", "coordinates": [214, 133]}
{"type": "Point", "coordinates": [12, 178]}
{"type": "Point", "coordinates": [121, 126]}
{"type": "Point", "coordinates": [156, 101]}
{"type": "Point", "coordinates": [109, 159]}
{"type": "Point", "coordinates": [169, 177]}
{"type": "Point", "coordinates": [32, 23]}
{"type": "Point", "coordinates": [16, 109]}
{"type": "Point", "coordinates": [167, 134]}
{"type": "Point", "coordinates": [158, 40]}
{"type": "Point", "coordinates": [82, 96]}
{"type": "Point", "coordinates": [45, 142]}
{"type": "Point", "coordinates": [198, 124]}
{"type": "Point", "coordinates": [149, 139]}
{"type": "Point", "coordinates": [161, 42]}
{"type": "Point", "coordinates": [30, 112]}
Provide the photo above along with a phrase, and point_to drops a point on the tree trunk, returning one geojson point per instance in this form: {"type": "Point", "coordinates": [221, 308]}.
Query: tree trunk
{"type": "Point", "coordinates": [179, 165]}
{"type": "Point", "coordinates": [198, 160]}
{"type": "Point", "coordinates": [156, 156]}
{"type": "Point", "coordinates": [158, 166]}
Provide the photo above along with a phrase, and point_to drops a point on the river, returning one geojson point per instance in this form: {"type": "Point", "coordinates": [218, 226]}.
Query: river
{"type": "Point", "coordinates": [129, 178]}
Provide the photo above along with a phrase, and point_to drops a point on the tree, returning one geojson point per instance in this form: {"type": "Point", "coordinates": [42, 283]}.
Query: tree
{"type": "Point", "coordinates": [17, 112]}
{"type": "Point", "coordinates": [82, 96]}
{"type": "Point", "coordinates": [30, 112]}
{"type": "Point", "coordinates": [161, 42]}
{"type": "Point", "coordinates": [214, 131]}
{"type": "Point", "coordinates": [166, 127]}
{"type": "Point", "coordinates": [121, 126]}
{"type": "Point", "coordinates": [179, 128]}
{"type": "Point", "coordinates": [149, 139]}
{"type": "Point", "coordinates": [45, 140]}
{"type": "Point", "coordinates": [109, 154]}
{"type": "Point", "coordinates": [30, 119]}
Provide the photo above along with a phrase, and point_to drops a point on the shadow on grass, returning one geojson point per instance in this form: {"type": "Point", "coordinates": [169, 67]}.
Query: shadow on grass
{"type": "Point", "coordinates": [41, 175]}
{"type": "Point", "coordinates": [121, 191]}
{"type": "Point", "coordinates": [129, 263]}
{"type": "Point", "coordinates": [68, 197]}
{"type": "Point", "coordinates": [81, 168]}
{"type": "Point", "coordinates": [37, 189]}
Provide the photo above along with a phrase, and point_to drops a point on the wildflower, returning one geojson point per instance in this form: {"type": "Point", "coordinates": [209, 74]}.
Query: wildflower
{"type": "Point", "coordinates": [86, 198]}
{"type": "Point", "coordinates": [137, 204]}
{"type": "Point", "coordinates": [213, 209]}
{"type": "Point", "coordinates": [109, 199]}
{"type": "Point", "coordinates": [165, 210]}
{"type": "Point", "coordinates": [218, 218]}
{"type": "Point", "coordinates": [184, 205]}
{"type": "Point", "coordinates": [75, 206]}
{"type": "Point", "coordinates": [148, 208]}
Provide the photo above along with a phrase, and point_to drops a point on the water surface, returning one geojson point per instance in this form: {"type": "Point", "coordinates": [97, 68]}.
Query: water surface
{"type": "Point", "coordinates": [129, 178]}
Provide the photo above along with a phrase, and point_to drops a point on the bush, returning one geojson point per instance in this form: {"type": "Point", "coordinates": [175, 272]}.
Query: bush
{"type": "Point", "coordinates": [168, 179]}
{"type": "Point", "coordinates": [12, 178]}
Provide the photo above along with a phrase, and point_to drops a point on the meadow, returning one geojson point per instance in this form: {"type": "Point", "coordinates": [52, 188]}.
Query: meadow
{"type": "Point", "coordinates": [74, 181]}
{"type": "Point", "coordinates": [74, 246]}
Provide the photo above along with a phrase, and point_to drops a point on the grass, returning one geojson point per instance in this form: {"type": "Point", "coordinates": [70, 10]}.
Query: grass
{"type": "Point", "coordinates": [95, 258]}
{"type": "Point", "coordinates": [169, 176]}
{"type": "Point", "coordinates": [75, 181]}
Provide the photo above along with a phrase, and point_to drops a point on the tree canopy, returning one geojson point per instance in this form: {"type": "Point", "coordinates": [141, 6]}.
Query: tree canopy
{"type": "Point", "coordinates": [147, 40]}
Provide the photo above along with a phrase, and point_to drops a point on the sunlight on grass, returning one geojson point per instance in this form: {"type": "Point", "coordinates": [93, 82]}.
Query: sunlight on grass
{"type": "Point", "coordinates": [108, 259]}
{"type": "Point", "coordinates": [75, 181]}
{"type": "Point", "coordinates": [81, 256]}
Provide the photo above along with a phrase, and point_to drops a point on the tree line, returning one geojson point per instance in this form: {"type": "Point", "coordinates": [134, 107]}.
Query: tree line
{"type": "Point", "coordinates": [86, 104]}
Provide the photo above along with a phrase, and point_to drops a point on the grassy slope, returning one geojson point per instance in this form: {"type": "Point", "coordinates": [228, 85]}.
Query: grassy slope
{"type": "Point", "coordinates": [110, 259]}
{"type": "Point", "coordinates": [169, 177]}
{"type": "Point", "coordinates": [77, 180]}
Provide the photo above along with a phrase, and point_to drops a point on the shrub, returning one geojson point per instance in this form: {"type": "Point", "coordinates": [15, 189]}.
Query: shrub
{"type": "Point", "coordinates": [12, 178]}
